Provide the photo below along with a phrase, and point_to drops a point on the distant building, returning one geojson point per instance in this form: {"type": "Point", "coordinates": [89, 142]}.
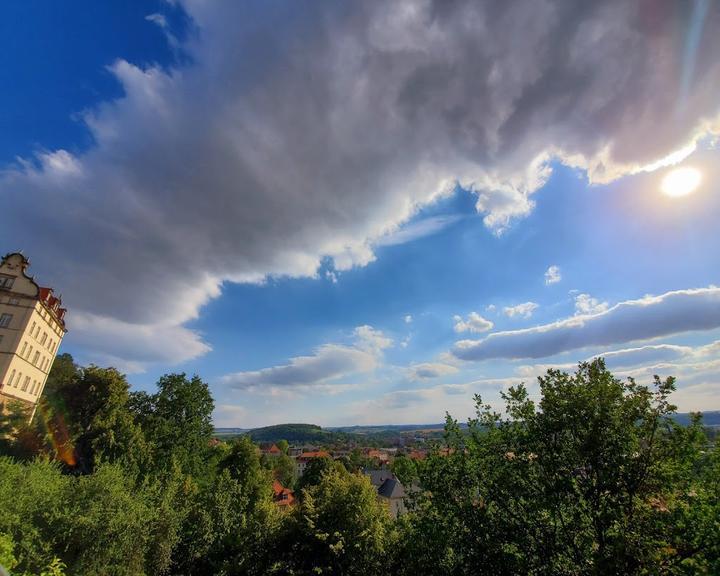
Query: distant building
{"type": "Point", "coordinates": [272, 451]}
{"type": "Point", "coordinates": [282, 496]}
{"type": "Point", "coordinates": [305, 457]}
{"type": "Point", "coordinates": [32, 325]}
{"type": "Point", "coordinates": [392, 494]}
{"type": "Point", "coordinates": [390, 490]}
{"type": "Point", "coordinates": [379, 455]}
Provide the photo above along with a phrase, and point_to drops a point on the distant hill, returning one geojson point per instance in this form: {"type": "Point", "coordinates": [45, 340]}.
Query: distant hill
{"type": "Point", "coordinates": [295, 433]}
{"type": "Point", "coordinates": [230, 431]}
{"type": "Point", "coordinates": [711, 418]}
{"type": "Point", "coordinates": [311, 433]}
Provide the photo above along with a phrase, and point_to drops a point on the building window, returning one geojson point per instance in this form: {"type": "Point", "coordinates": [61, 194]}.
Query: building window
{"type": "Point", "coordinates": [5, 320]}
{"type": "Point", "coordinates": [44, 338]}
{"type": "Point", "coordinates": [26, 383]}
{"type": "Point", "coordinates": [32, 328]}
{"type": "Point", "coordinates": [17, 380]}
{"type": "Point", "coordinates": [23, 348]}
{"type": "Point", "coordinates": [12, 375]}
{"type": "Point", "coordinates": [37, 331]}
{"type": "Point", "coordinates": [36, 358]}
{"type": "Point", "coordinates": [13, 301]}
{"type": "Point", "coordinates": [27, 356]}
{"type": "Point", "coordinates": [6, 282]}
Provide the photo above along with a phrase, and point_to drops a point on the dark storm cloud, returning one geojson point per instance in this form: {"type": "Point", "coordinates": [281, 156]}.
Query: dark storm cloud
{"type": "Point", "coordinates": [301, 131]}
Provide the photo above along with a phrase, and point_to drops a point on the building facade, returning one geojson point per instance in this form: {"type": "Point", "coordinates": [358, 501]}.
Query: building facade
{"type": "Point", "coordinates": [32, 325]}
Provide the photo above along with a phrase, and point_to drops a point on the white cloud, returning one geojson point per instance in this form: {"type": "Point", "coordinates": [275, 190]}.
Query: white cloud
{"type": "Point", "coordinates": [586, 304]}
{"type": "Point", "coordinates": [418, 229]}
{"type": "Point", "coordinates": [473, 323]}
{"type": "Point", "coordinates": [428, 370]}
{"type": "Point", "coordinates": [327, 364]}
{"type": "Point", "coordinates": [158, 19]}
{"type": "Point", "coordinates": [367, 338]}
{"type": "Point", "coordinates": [332, 276]}
{"type": "Point", "coordinates": [524, 310]}
{"type": "Point", "coordinates": [145, 344]}
{"type": "Point", "coordinates": [408, 319]}
{"type": "Point", "coordinates": [230, 416]}
{"type": "Point", "coordinates": [553, 275]}
{"type": "Point", "coordinates": [647, 318]}
{"type": "Point", "coordinates": [234, 168]}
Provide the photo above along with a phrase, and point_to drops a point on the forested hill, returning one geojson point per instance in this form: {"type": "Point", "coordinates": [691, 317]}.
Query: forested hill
{"type": "Point", "coordinates": [709, 418]}
{"type": "Point", "coordinates": [295, 433]}
{"type": "Point", "coordinates": [298, 433]}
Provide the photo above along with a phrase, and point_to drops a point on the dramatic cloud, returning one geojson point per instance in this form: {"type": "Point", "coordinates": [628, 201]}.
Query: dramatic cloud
{"type": "Point", "coordinates": [552, 275]}
{"type": "Point", "coordinates": [300, 132]}
{"type": "Point", "coordinates": [474, 323]}
{"type": "Point", "coordinates": [643, 319]}
{"type": "Point", "coordinates": [428, 370]}
{"type": "Point", "coordinates": [524, 310]}
{"type": "Point", "coordinates": [586, 304]}
{"type": "Point", "coordinates": [328, 363]}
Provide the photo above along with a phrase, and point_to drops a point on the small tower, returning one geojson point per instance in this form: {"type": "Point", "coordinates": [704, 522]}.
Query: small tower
{"type": "Point", "coordinates": [32, 325]}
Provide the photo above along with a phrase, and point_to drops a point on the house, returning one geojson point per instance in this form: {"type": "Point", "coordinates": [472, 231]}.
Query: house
{"type": "Point", "coordinates": [390, 490]}
{"type": "Point", "coordinates": [282, 496]}
{"type": "Point", "coordinates": [377, 477]}
{"type": "Point", "coordinates": [273, 451]}
{"type": "Point", "coordinates": [392, 494]}
{"type": "Point", "coordinates": [378, 455]}
{"type": "Point", "coordinates": [305, 457]}
{"type": "Point", "coordinates": [32, 325]}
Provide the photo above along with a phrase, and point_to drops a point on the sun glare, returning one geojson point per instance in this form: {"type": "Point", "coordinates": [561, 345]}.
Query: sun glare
{"type": "Point", "coordinates": [681, 181]}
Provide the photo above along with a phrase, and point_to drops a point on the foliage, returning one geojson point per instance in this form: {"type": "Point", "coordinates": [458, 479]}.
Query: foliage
{"type": "Point", "coordinates": [177, 422]}
{"type": "Point", "coordinates": [597, 479]}
{"type": "Point", "coordinates": [315, 469]}
{"type": "Point", "coordinates": [405, 469]}
{"type": "Point", "coordinates": [284, 469]}
{"type": "Point", "coordinates": [340, 527]}
{"type": "Point", "coordinates": [295, 433]}
{"type": "Point", "coordinates": [596, 476]}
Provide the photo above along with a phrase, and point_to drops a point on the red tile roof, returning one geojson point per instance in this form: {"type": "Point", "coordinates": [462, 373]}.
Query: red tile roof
{"type": "Point", "coordinates": [281, 495]}
{"type": "Point", "coordinates": [53, 303]}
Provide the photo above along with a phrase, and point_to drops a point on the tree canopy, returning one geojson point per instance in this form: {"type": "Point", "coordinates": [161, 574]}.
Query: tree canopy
{"type": "Point", "coordinates": [582, 474]}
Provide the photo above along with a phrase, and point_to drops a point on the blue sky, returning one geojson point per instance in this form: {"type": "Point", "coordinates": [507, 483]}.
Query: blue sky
{"type": "Point", "coordinates": [367, 215]}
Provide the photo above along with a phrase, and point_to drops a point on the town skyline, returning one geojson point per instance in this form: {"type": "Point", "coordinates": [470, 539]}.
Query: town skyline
{"type": "Point", "coordinates": [375, 245]}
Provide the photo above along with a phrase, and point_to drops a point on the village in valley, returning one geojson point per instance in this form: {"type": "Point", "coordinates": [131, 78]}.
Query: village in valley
{"type": "Point", "coordinates": [390, 464]}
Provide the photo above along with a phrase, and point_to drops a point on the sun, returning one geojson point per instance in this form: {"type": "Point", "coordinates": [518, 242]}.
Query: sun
{"type": "Point", "coordinates": [681, 181]}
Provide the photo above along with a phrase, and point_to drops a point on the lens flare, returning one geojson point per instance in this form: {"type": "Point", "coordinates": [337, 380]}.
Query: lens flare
{"type": "Point", "coordinates": [59, 436]}
{"type": "Point", "coordinates": [681, 182]}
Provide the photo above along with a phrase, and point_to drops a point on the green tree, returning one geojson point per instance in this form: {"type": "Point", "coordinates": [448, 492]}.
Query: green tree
{"type": "Point", "coordinates": [339, 527]}
{"type": "Point", "coordinates": [405, 470]}
{"type": "Point", "coordinates": [314, 471]}
{"type": "Point", "coordinates": [177, 422]}
{"type": "Point", "coordinates": [584, 483]}
{"type": "Point", "coordinates": [285, 470]}
{"type": "Point", "coordinates": [283, 445]}
{"type": "Point", "coordinates": [232, 521]}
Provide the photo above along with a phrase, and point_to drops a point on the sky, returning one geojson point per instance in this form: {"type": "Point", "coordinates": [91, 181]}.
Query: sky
{"type": "Point", "coordinates": [367, 213]}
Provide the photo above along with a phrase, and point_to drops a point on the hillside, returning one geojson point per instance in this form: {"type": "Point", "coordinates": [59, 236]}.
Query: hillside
{"type": "Point", "coordinates": [295, 433]}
